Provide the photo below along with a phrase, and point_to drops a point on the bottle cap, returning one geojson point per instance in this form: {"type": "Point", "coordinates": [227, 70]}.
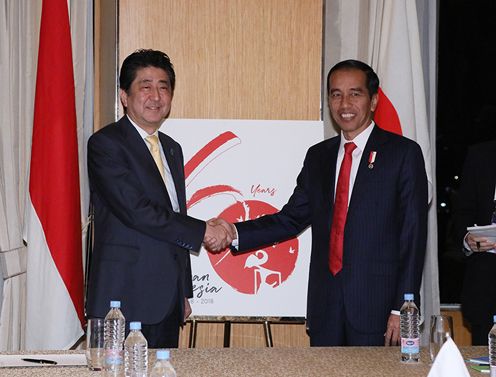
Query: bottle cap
{"type": "Point", "coordinates": [115, 304]}
{"type": "Point", "coordinates": [135, 325]}
{"type": "Point", "coordinates": [408, 296]}
{"type": "Point", "coordinates": [494, 318]}
{"type": "Point", "coordinates": [163, 354]}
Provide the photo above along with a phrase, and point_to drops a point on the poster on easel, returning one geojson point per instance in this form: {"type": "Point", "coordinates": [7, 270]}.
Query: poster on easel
{"type": "Point", "coordinates": [240, 170]}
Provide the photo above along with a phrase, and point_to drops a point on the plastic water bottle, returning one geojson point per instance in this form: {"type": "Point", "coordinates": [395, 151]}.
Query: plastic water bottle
{"type": "Point", "coordinates": [115, 324]}
{"type": "Point", "coordinates": [135, 352]}
{"type": "Point", "coordinates": [492, 348]}
{"type": "Point", "coordinates": [409, 330]}
{"type": "Point", "coordinates": [163, 367]}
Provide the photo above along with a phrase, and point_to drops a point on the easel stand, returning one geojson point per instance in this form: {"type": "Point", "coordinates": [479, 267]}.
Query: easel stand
{"type": "Point", "coordinates": [227, 321]}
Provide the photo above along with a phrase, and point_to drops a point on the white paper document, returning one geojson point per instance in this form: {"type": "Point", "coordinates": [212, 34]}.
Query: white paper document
{"type": "Point", "coordinates": [488, 231]}
{"type": "Point", "coordinates": [42, 360]}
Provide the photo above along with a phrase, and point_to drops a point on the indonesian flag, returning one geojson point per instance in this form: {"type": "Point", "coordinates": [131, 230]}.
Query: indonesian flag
{"type": "Point", "coordinates": [397, 60]}
{"type": "Point", "coordinates": [54, 307]}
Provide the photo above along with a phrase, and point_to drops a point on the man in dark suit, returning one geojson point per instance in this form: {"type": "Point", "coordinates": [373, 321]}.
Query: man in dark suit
{"type": "Point", "coordinates": [375, 248]}
{"type": "Point", "coordinates": [142, 233]}
{"type": "Point", "coordinates": [475, 205]}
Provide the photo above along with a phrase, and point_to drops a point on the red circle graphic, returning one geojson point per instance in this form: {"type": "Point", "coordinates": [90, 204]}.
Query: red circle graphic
{"type": "Point", "coordinates": [268, 267]}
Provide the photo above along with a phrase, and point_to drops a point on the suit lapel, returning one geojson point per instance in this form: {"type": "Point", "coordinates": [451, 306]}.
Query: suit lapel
{"type": "Point", "coordinates": [174, 160]}
{"type": "Point", "coordinates": [329, 166]}
{"type": "Point", "coordinates": [137, 146]}
{"type": "Point", "coordinates": [139, 150]}
{"type": "Point", "coordinates": [364, 173]}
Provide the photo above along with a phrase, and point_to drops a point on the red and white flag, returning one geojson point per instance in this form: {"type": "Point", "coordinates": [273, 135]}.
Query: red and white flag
{"type": "Point", "coordinates": [396, 57]}
{"type": "Point", "coordinates": [54, 306]}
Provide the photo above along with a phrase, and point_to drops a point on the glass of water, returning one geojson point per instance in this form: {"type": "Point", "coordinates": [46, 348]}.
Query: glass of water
{"type": "Point", "coordinates": [95, 344]}
{"type": "Point", "coordinates": [441, 330]}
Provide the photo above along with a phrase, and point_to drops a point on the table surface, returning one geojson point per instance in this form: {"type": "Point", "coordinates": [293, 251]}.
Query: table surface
{"type": "Point", "coordinates": [287, 362]}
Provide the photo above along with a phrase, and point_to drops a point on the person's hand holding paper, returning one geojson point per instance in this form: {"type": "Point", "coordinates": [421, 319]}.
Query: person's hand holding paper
{"type": "Point", "coordinates": [482, 238]}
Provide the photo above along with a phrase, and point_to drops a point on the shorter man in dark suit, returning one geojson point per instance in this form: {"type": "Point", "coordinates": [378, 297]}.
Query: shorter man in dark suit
{"type": "Point", "coordinates": [364, 193]}
{"type": "Point", "coordinates": [142, 233]}
{"type": "Point", "coordinates": [475, 204]}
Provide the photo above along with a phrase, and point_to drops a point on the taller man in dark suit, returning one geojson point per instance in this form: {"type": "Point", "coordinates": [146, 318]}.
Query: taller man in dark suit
{"type": "Point", "coordinates": [142, 233]}
{"type": "Point", "coordinates": [365, 254]}
{"type": "Point", "coordinates": [475, 205]}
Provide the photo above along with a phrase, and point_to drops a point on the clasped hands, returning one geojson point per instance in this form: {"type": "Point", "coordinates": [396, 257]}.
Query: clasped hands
{"type": "Point", "coordinates": [219, 234]}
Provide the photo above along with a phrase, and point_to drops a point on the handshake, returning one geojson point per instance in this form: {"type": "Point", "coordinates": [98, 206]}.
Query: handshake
{"type": "Point", "coordinates": [219, 234]}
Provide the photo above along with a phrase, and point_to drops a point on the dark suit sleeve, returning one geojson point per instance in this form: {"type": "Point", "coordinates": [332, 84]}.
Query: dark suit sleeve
{"type": "Point", "coordinates": [413, 207]}
{"type": "Point", "coordinates": [188, 283]}
{"type": "Point", "coordinates": [466, 203]}
{"type": "Point", "coordinates": [293, 218]}
{"type": "Point", "coordinates": [113, 176]}
{"type": "Point", "coordinates": [474, 202]}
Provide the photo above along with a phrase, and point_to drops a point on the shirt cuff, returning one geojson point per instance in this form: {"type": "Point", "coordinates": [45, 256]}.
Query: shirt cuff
{"type": "Point", "coordinates": [235, 242]}
{"type": "Point", "coordinates": [466, 248]}
{"type": "Point", "coordinates": [395, 312]}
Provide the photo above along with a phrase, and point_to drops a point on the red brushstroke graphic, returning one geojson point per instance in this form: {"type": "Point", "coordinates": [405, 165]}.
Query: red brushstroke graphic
{"type": "Point", "coordinates": [209, 191]}
{"type": "Point", "coordinates": [208, 153]}
{"type": "Point", "coordinates": [254, 271]}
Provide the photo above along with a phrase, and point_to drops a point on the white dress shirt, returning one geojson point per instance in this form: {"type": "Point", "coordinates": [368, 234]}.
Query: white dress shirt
{"type": "Point", "coordinates": [360, 142]}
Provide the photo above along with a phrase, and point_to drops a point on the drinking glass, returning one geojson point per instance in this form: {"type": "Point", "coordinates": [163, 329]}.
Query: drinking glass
{"type": "Point", "coordinates": [441, 330]}
{"type": "Point", "coordinates": [94, 343]}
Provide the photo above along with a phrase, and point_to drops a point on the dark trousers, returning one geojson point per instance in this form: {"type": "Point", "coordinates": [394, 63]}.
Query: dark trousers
{"type": "Point", "coordinates": [164, 334]}
{"type": "Point", "coordinates": [480, 333]}
{"type": "Point", "coordinates": [338, 331]}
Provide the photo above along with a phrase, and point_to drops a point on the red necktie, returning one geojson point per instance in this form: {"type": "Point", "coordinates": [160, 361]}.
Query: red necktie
{"type": "Point", "coordinates": [340, 211]}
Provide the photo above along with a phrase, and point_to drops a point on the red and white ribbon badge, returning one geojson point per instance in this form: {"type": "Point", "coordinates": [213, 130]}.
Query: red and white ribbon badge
{"type": "Point", "coordinates": [372, 157]}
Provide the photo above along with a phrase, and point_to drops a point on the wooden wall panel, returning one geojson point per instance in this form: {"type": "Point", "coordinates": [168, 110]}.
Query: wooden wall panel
{"type": "Point", "coordinates": [208, 335]}
{"type": "Point", "coordinates": [290, 335]}
{"type": "Point", "coordinates": [105, 58]}
{"type": "Point", "coordinates": [246, 335]}
{"type": "Point", "coordinates": [461, 333]}
{"type": "Point", "coordinates": [234, 59]}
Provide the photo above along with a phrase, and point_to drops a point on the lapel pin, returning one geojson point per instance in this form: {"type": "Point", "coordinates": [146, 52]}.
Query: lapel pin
{"type": "Point", "coordinates": [372, 156]}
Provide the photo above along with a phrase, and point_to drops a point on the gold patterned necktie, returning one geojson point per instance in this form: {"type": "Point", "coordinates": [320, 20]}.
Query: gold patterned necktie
{"type": "Point", "coordinates": [155, 151]}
